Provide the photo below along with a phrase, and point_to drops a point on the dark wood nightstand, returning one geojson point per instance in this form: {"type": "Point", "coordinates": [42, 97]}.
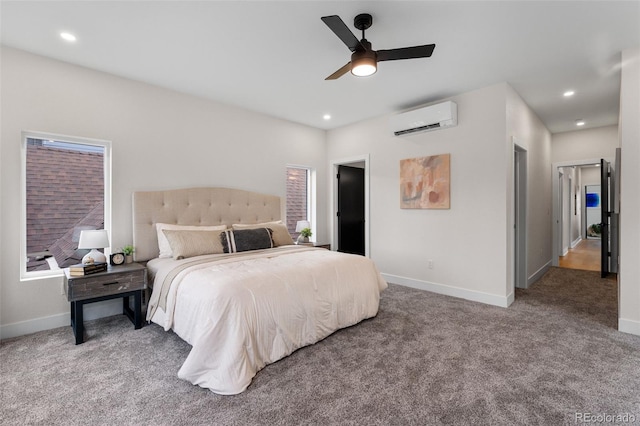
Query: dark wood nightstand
{"type": "Point", "coordinates": [118, 281]}
{"type": "Point", "coordinates": [316, 244]}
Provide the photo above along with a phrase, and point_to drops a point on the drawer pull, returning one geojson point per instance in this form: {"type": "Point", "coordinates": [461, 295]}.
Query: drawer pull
{"type": "Point", "coordinates": [115, 282]}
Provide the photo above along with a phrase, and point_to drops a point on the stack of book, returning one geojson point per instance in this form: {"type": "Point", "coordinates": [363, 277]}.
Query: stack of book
{"type": "Point", "coordinates": [87, 269]}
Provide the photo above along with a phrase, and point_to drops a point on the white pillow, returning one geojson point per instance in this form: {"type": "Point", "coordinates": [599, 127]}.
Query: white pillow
{"type": "Point", "coordinates": [194, 243]}
{"type": "Point", "coordinates": [163, 242]}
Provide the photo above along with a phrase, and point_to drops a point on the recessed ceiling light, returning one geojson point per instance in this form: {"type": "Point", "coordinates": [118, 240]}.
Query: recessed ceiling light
{"type": "Point", "coordinates": [326, 117]}
{"type": "Point", "coordinates": [68, 36]}
{"type": "Point", "coordinates": [568, 93]}
{"type": "Point", "coordinates": [579, 122]}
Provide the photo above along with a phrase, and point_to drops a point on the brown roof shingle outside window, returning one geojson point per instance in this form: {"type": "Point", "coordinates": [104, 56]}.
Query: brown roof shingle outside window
{"type": "Point", "coordinates": [65, 193]}
{"type": "Point", "coordinates": [296, 198]}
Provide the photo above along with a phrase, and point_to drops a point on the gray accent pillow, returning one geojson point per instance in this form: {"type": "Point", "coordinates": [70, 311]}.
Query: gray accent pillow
{"type": "Point", "coordinates": [246, 239]}
{"type": "Point", "coordinates": [281, 236]}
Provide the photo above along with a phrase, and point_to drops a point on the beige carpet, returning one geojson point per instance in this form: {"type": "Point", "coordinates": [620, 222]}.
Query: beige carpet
{"type": "Point", "coordinates": [425, 359]}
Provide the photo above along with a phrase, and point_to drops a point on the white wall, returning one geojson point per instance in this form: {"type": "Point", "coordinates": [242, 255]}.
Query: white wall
{"type": "Point", "coordinates": [469, 242]}
{"type": "Point", "coordinates": [161, 139]}
{"type": "Point", "coordinates": [526, 129]}
{"type": "Point", "coordinates": [629, 274]}
{"type": "Point", "coordinates": [590, 176]}
{"type": "Point", "coordinates": [600, 142]}
{"type": "Point", "coordinates": [579, 147]}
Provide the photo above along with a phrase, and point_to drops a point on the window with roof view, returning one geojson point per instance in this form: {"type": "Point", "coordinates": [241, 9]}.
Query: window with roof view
{"type": "Point", "coordinates": [64, 194]}
{"type": "Point", "coordinates": [298, 197]}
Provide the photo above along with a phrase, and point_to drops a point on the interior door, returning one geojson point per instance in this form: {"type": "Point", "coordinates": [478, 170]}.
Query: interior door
{"type": "Point", "coordinates": [614, 218]}
{"type": "Point", "coordinates": [604, 215]}
{"type": "Point", "coordinates": [351, 210]}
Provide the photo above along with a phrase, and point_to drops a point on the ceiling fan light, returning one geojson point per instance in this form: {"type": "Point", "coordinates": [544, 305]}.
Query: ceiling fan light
{"type": "Point", "coordinates": [363, 63]}
{"type": "Point", "coordinates": [363, 69]}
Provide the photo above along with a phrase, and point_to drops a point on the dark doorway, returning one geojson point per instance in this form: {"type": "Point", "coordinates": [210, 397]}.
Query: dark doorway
{"type": "Point", "coordinates": [351, 210]}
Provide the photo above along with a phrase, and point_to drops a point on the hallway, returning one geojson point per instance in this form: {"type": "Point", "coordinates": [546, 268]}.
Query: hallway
{"type": "Point", "coordinates": [585, 256]}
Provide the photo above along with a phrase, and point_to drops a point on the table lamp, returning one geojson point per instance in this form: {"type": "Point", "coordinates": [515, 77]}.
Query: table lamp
{"type": "Point", "coordinates": [94, 239]}
{"type": "Point", "coordinates": [303, 225]}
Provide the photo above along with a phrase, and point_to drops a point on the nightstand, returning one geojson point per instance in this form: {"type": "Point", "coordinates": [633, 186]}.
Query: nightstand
{"type": "Point", "coordinates": [316, 244]}
{"type": "Point", "coordinates": [118, 281]}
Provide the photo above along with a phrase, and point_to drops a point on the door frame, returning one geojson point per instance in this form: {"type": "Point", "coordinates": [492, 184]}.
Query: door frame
{"type": "Point", "coordinates": [333, 196]}
{"type": "Point", "coordinates": [520, 196]}
{"type": "Point", "coordinates": [556, 208]}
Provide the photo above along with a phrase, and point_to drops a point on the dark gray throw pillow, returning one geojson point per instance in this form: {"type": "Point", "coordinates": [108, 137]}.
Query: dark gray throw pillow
{"type": "Point", "coordinates": [246, 239]}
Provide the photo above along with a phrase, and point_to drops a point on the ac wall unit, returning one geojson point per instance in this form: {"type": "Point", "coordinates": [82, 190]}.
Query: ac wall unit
{"type": "Point", "coordinates": [433, 117]}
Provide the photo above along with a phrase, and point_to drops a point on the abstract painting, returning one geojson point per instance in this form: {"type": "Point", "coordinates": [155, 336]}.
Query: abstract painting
{"type": "Point", "coordinates": [425, 182]}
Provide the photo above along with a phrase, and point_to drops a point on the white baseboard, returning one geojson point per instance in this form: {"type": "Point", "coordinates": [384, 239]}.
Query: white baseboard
{"type": "Point", "coordinates": [93, 311]}
{"type": "Point", "coordinates": [538, 274]}
{"type": "Point", "coordinates": [510, 298]}
{"type": "Point", "coordinates": [629, 326]}
{"type": "Point", "coordinates": [576, 242]}
{"type": "Point", "coordinates": [462, 293]}
{"type": "Point", "coordinates": [33, 326]}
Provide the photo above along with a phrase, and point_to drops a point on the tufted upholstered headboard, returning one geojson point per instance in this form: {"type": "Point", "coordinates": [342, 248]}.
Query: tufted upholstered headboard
{"type": "Point", "coordinates": [196, 206]}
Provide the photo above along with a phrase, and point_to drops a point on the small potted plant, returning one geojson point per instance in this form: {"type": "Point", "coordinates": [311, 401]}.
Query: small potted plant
{"type": "Point", "coordinates": [305, 233]}
{"type": "Point", "coordinates": [128, 253]}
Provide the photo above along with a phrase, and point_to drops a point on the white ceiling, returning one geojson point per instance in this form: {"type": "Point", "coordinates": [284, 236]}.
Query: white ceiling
{"type": "Point", "coordinates": [273, 56]}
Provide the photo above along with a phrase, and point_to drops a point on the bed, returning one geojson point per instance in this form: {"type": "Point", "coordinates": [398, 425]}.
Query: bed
{"type": "Point", "coordinates": [242, 310]}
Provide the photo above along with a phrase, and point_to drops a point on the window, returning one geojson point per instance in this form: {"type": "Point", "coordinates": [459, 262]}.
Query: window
{"type": "Point", "coordinates": [299, 195]}
{"type": "Point", "coordinates": [65, 190]}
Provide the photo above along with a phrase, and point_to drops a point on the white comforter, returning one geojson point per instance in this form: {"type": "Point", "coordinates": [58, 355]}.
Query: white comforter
{"type": "Point", "coordinates": [242, 314]}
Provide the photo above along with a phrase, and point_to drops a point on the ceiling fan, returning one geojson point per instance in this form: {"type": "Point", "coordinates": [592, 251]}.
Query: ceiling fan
{"type": "Point", "coordinates": [364, 59]}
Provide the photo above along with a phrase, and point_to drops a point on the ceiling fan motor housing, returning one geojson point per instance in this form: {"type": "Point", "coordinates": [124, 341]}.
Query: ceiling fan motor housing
{"type": "Point", "coordinates": [363, 21]}
{"type": "Point", "coordinates": [364, 55]}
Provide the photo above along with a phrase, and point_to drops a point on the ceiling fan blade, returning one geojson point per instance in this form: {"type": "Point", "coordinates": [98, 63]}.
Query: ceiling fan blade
{"type": "Point", "coordinates": [406, 53]}
{"type": "Point", "coordinates": [342, 71]}
{"type": "Point", "coordinates": [343, 32]}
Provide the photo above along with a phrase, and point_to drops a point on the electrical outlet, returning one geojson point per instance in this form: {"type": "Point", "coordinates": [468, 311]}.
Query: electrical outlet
{"type": "Point", "coordinates": [430, 263]}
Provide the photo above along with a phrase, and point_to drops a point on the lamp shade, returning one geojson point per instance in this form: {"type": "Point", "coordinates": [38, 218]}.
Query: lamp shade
{"type": "Point", "coordinates": [302, 224]}
{"type": "Point", "coordinates": [363, 63]}
{"type": "Point", "coordinates": [93, 239]}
